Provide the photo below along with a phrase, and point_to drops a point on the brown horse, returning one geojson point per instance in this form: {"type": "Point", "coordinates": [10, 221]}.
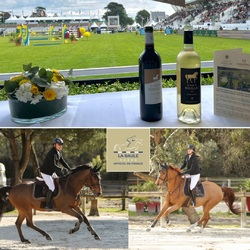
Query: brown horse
{"type": "Point", "coordinates": [175, 197]}
{"type": "Point", "coordinates": [67, 201]}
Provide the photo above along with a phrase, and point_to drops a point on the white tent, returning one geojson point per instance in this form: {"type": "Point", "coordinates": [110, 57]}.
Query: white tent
{"type": "Point", "coordinates": [136, 25]}
{"type": "Point", "coordinates": [103, 25]}
{"type": "Point", "coordinates": [14, 19]}
{"type": "Point", "coordinates": [150, 23]}
{"type": "Point", "coordinates": [94, 26]}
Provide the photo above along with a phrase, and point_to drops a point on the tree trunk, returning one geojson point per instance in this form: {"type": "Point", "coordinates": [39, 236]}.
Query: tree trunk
{"type": "Point", "coordinates": [19, 166]}
{"type": "Point", "coordinates": [35, 162]}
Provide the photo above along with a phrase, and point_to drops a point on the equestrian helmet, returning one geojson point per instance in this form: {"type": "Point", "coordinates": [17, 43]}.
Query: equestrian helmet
{"type": "Point", "coordinates": [58, 140]}
{"type": "Point", "coordinates": [191, 146]}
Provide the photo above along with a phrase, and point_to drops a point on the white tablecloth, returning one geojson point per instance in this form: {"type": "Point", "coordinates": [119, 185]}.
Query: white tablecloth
{"type": "Point", "coordinates": [121, 109]}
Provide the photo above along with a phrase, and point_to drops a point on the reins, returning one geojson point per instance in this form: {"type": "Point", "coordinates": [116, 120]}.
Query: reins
{"type": "Point", "coordinates": [167, 179]}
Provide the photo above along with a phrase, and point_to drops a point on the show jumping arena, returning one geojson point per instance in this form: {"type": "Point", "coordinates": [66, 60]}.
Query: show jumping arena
{"type": "Point", "coordinates": [111, 227]}
{"type": "Point", "coordinates": [222, 233]}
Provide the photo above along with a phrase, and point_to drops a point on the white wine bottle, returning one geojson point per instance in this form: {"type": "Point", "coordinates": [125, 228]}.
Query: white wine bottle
{"type": "Point", "coordinates": [150, 79]}
{"type": "Point", "coordinates": [188, 78]}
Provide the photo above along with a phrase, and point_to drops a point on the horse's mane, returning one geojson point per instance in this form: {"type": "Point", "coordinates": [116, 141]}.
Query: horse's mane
{"type": "Point", "coordinates": [80, 168]}
{"type": "Point", "coordinates": [171, 165]}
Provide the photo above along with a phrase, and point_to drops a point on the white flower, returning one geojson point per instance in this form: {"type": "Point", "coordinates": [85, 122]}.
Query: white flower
{"type": "Point", "coordinates": [36, 99]}
{"type": "Point", "coordinates": [60, 89]}
{"type": "Point", "coordinates": [23, 94]}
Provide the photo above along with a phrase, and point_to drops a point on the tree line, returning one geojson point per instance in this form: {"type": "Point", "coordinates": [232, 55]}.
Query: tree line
{"type": "Point", "coordinates": [222, 152]}
{"type": "Point", "coordinates": [112, 9]}
{"type": "Point", "coordinates": [23, 150]}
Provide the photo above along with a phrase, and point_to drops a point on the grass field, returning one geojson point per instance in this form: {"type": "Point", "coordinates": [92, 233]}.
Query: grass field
{"type": "Point", "coordinates": [106, 50]}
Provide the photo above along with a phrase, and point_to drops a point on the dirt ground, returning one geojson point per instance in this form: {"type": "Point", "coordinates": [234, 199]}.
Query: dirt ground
{"type": "Point", "coordinates": [221, 234]}
{"type": "Point", "coordinates": [119, 231]}
{"type": "Point", "coordinates": [112, 229]}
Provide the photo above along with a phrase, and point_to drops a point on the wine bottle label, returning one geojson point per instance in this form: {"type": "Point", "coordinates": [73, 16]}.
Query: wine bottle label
{"type": "Point", "coordinates": [153, 86]}
{"type": "Point", "coordinates": [149, 38]}
{"type": "Point", "coordinates": [190, 86]}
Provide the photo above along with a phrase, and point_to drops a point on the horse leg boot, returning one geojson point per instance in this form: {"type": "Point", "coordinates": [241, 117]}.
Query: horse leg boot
{"type": "Point", "coordinates": [48, 201]}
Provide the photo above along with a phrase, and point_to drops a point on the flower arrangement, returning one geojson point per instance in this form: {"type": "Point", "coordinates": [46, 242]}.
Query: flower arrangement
{"type": "Point", "coordinates": [36, 84]}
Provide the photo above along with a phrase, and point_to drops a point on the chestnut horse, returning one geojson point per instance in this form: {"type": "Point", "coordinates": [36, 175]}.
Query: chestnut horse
{"type": "Point", "coordinates": [67, 201]}
{"type": "Point", "coordinates": [175, 197]}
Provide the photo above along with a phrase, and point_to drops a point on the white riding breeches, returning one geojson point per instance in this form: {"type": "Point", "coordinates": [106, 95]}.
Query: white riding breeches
{"type": "Point", "coordinates": [194, 180]}
{"type": "Point", "coordinates": [49, 181]}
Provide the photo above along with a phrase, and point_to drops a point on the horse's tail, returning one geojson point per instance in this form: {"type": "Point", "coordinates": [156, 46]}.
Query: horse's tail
{"type": "Point", "coordinates": [4, 200]}
{"type": "Point", "coordinates": [229, 198]}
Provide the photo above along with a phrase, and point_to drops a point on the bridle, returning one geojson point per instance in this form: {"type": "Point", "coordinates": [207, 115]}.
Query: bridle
{"type": "Point", "coordinates": [89, 178]}
{"type": "Point", "coordinates": [166, 179]}
{"type": "Point", "coordinates": [166, 176]}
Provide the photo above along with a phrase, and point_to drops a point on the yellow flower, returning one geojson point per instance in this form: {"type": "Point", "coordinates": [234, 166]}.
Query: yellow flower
{"type": "Point", "coordinates": [49, 94]}
{"type": "Point", "coordinates": [57, 77]}
{"type": "Point", "coordinates": [23, 81]}
{"type": "Point", "coordinates": [16, 78]}
{"type": "Point", "coordinates": [34, 89]}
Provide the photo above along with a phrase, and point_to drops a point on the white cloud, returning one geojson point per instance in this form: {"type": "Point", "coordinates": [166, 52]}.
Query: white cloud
{"type": "Point", "coordinates": [85, 6]}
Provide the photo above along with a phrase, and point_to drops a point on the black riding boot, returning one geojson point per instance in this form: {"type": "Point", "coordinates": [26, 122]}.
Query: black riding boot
{"type": "Point", "coordinates": [48, 205]}
{"type": "Point", "coordinates": [193, 196]}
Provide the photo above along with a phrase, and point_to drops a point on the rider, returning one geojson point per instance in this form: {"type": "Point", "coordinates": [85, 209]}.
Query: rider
{"type": "Point", "coordinates": [193, 170]}
{"type": "Point", "coordinates": [50, 166]}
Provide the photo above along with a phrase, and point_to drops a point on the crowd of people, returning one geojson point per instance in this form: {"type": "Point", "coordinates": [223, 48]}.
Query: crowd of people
{"type": "Point", "coordinates": [213, 11]}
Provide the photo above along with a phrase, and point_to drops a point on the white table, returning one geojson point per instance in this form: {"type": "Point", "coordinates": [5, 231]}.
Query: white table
{"type": "Point", "coordinates": [121, 109]}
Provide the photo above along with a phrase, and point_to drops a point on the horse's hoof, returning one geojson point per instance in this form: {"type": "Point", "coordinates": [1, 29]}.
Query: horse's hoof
{"type": "Point", "coordinates": [26, 241]}
{"type": "Point", "coordinates": [97, 237]}
{"type": "Point", "coordinates": [148, 229]}
{"type": "Point", "coordinates": [48, 237]}
{"type": "Point", "coordinates": [188, 230]}
{"type": "Point", "coordinates": [71, 231]}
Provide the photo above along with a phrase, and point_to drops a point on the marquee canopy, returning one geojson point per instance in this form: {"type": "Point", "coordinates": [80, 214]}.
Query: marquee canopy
{"type": "Point", "coordinates": [182, 3]}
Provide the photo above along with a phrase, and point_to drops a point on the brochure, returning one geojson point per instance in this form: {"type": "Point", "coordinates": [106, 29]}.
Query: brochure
{"type": "Point", "coordinates": [232, 84]}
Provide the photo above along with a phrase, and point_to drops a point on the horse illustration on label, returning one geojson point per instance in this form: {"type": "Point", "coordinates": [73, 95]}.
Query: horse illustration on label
{"type": "Point", "coordinates": [191, 78]}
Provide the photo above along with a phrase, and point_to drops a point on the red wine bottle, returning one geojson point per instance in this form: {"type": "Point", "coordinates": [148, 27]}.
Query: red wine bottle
{"type": "Point", "coordinates": [150, 79]}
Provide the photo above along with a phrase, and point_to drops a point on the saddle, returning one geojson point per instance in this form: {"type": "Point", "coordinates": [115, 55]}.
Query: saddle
{"type": "Point", "coordinates": [40, 188]}
{"type": "Point", "coordinates": [199, 189]}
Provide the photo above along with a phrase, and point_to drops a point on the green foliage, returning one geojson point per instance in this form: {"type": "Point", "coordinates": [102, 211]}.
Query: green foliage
{"type": "Point", "coordinates": [223, 152]}
{"type": "Point", "coordinates": [76, 88]}
{"type": "Point", "coordinates": [246, 185]}
{"type": "Point", "coordinates": [116, 9]}
{"type": "Point", "coordinates": [80, 146]}
{"type": "Point", "coordinates": [142, 16]}
{"type": "Point", "coordinates": [143, 187]}
{"type": "Point", "coordinates": [140, 199]}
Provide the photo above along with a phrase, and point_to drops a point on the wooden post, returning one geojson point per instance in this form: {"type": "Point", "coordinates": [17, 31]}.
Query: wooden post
{"type": "Point", "coordinates": [243, 207]}
{"type": "Point", "coordinates": [123, 199]}
{"type": "Point", "coordinates": [162, 220]}
{"type": "Point", "coordinates": [94, 211]}
{"type": "Point", "coordinates": [83, 203]}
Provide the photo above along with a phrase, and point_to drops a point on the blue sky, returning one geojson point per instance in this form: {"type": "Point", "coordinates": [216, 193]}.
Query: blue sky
{"type": "Point", "coordinates": [83, 6]}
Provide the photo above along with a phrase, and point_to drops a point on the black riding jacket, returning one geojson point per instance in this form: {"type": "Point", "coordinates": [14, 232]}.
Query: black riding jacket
{"type": "Point", "coordinates": [52, 159]}
{"type": "Point", "coordinates": [191, 164]}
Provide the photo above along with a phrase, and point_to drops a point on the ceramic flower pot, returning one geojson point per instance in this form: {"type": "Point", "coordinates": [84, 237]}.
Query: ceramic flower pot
{"type": "Point", "coordinates": [139, 207]}
{"type": "Point", "coordinates": [153, 207]}
{"type": "Point", "coordinates": [248, 204]}
{"type": "Point", "coordinates": [42, 111]}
